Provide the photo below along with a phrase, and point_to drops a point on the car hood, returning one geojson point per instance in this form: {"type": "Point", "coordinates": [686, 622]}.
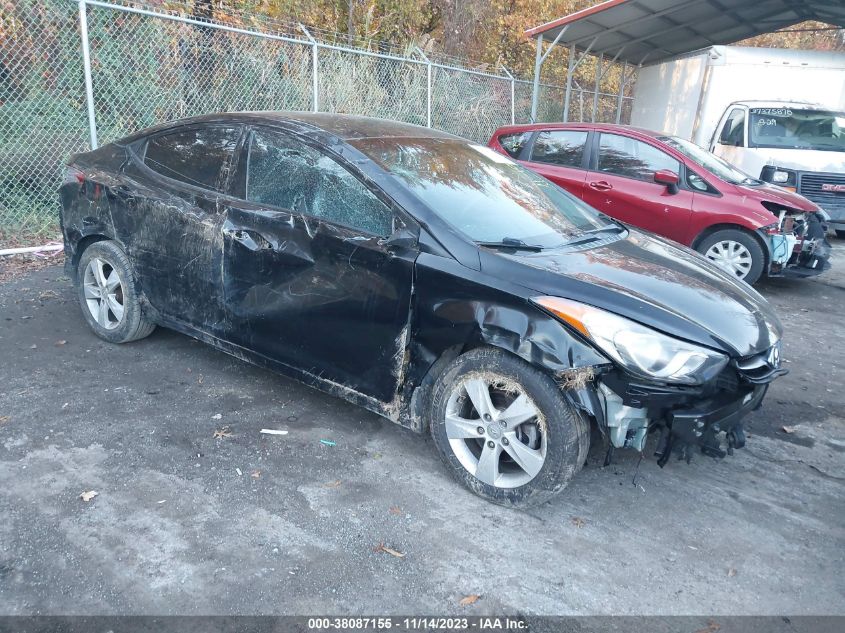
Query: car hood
{"type": "Point", "coordinates": [823, 161]}
{"type": "Point", "coordinates": [655, 282]}
{"type": "Point", "coordinates": [772, 193]}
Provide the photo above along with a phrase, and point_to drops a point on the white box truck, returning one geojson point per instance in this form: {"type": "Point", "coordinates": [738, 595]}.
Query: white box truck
{"type": "Point", "coordinates": [776, 114]}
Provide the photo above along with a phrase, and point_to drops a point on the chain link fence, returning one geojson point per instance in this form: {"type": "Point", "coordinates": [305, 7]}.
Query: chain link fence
{"type": "Point", "coordinates": [147, 67]}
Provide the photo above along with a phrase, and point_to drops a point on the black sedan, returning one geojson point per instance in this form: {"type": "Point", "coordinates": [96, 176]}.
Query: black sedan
{"type": "Point", "coordinates": [424, 277]}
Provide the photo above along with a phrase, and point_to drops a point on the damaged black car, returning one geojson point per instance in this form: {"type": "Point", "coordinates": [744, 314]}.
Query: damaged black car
{"type": "Point", "coordinates": [426, 278]}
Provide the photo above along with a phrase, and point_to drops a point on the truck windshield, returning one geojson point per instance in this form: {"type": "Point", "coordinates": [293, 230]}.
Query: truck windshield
{"type": "Point", "coordinates": [790, 128]}
{"type": "Point", "coordinates": [710, 162]}
{"type": "Point", "coordinates": [485, 195]}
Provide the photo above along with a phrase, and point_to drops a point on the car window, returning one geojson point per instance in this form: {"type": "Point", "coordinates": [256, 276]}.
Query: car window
{"type": "Point", "coordinates": [559, 147]}
{"type": "Point", "coordinates": [626, 156]}
{"type": "Point", "coordinates": [194, 156]}
{"type": "Point", "coordinates": [283, 172]}
{"type": "Point", "coordinates": [486, 196]}
{"type": "Point", "coordinates": [513, 143]}
{"type": "Point", "coordinates": [733, 131]}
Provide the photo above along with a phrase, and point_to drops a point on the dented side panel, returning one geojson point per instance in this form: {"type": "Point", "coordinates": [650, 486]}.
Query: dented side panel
{"type": "Point", "coordinates": [317, 296]}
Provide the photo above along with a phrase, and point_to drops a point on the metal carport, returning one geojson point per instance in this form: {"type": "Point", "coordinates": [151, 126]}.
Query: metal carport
{"type": "Point", "coordinates": [636, 32]}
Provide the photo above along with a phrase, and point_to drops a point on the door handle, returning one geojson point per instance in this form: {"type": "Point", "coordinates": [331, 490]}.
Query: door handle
{"type": "Point", "coordinates": [601, 185]}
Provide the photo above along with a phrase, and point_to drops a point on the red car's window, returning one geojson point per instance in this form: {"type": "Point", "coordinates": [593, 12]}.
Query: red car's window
{"type": "Point", "coordinates": [513, 143]}
{"type": "Point", "coordinates": [560, 147]}
{"type": "Point", "coordinates": [626, 156]}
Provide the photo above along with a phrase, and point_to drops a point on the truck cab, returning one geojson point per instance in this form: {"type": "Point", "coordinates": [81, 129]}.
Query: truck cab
{"type": "Point", "coordinates": [797, 145]}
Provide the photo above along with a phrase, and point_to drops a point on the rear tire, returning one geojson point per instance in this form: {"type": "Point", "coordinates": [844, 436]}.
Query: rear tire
{"type": "Point", "coordinates": [108, 294]}
{"type": "Point", "coordinates": [736, 252]}
{"type": "Point", "coordinates": [505, 429]}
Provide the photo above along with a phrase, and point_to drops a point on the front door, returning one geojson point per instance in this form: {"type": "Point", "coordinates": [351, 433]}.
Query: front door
{"type": "Point", "coordinates": [621, 184]}
{"type": "Point", "coordinates": [308, 279]}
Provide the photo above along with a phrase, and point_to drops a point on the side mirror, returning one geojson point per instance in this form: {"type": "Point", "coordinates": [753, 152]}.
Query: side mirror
{"type": "Point", "coordinates": [402, 237]}
{"type": "Point", "coordinates": [669, 178]}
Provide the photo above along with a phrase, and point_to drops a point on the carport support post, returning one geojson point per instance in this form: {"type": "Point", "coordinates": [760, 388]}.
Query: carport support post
{"type": "Point", "coordinates": [569, 72]}
{"type": "Point", "coordinates": [622, 81]}
{"type": "Point", "coordinates": [86, 67]}
{"type": "Point", "coordinates": [599, 64]}
{"type": "Point", "coordinates": [538, 64]}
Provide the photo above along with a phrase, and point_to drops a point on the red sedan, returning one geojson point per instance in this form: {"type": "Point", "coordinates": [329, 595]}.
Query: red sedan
{"type": "Point", "coordinates": [674, 188]}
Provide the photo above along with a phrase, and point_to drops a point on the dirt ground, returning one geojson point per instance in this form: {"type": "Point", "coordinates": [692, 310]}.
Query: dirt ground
{"type": "Point", "coordinates": [197, 512]}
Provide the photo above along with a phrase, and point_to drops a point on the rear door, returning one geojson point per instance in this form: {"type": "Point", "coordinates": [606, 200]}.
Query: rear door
{"type": "Point", "coordinates": [560, 156]}
{"type": "Point", "coordinates": [309, 279]}
{"type": "Point", "coordinates": [173, 218]}
{"type": "Point", "coordinates": [621, 184]}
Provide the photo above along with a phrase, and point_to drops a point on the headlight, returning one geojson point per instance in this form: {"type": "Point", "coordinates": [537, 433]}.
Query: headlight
{"type": "Point", "coordinates": [638, 349]}
{"type": "Point", "coordinates": [784, 177]}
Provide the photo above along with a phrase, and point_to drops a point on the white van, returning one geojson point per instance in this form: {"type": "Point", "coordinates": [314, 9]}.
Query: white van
{"type": "Point", "coordinates": [797, 145]}
{"type": "Point", "coordinates": [776, 114]}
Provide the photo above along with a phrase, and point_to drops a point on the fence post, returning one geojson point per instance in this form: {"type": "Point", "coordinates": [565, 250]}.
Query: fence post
{"type": "Point", "coordinates": [315, 70]}
{"type": "Point", "coordinates": [599, 73]}
{"type": "Point", "coordinates": [513, 92]}
{"type": "Point", "coordinates": [428, 71]}
{"type": "Point", "coordinates": [86, 66]}
{"type": "Point", "coordinates": [621, 92]}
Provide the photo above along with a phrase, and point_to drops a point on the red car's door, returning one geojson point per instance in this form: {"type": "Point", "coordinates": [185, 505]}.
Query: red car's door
{"type": "Point", "coordinates": [559, 156]}
{"type": "Point", "coordinates": [621, 184]}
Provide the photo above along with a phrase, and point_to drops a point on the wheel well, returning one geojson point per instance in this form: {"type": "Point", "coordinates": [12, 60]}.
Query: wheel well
{"type": "Point", "coordinates": [84, 243]}
{"type": "Point", "coordinates": [707, 232]}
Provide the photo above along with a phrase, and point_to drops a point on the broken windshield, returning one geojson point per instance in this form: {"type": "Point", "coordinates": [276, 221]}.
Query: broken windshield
{"type": "Point", "coordinates": [485, 195]}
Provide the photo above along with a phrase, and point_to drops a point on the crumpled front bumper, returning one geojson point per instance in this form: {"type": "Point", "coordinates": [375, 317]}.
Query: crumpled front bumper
{"type": "Point", "coordinates": [708, 417]}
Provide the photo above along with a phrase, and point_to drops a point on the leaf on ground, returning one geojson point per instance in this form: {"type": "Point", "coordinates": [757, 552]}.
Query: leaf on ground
{"type": "Point", "coordinates": [731, 572]}
{"type": "Point", "coordinates": [255, 474]}
{"type": "Point", "coordinates": [788, 429]}
{"type": "Point", "coordinates": [87, 496]}
{"type": "Point", "coordinates": [470, 599]}
{"type": "Point", "coordinates": [220, 433]}
{"type": "Point", "coordinates": [60, 343]}
{"type": "Point", "coordinates": [332, 484]}
{"type": "Point", "coordinates": [217, 416]}
{"type": "Point", "coordinates": [396, 510]}
{"type": "Point", "coordinates": [381, 547]}
{"type": "Point", "coordinates": [4, 419]}
{"type": "Point", "coordinates": [711, 627]}
{"type": "Point", "coordinates": [578, 522]}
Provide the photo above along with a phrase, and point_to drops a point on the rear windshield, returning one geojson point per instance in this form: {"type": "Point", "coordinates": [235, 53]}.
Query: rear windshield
{"type": "Point", "coordinates": [482, 193]}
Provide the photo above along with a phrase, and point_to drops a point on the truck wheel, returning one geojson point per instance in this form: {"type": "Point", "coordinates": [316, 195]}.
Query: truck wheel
{"type": "Point", "coordinates": [840, 233]}
{"type": "Point", "coordinates": [504, 428]}
{"type": "Point", "coordinates": [108, 295]}
{"type": "Point", "coordinates": [736, 252]}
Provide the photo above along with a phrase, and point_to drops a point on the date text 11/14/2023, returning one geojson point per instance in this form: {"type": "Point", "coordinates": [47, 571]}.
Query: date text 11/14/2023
{"type": "Point", "coordinates": [418, 623]}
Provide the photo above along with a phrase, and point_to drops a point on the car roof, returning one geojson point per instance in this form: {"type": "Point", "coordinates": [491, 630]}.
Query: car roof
{"type": "Point", "coordinates": [606, 127]}
{"type": "Point", "coordinates": [343, 126]}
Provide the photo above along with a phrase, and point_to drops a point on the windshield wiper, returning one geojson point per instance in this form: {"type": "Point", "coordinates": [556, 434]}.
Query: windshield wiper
{"type": "Point", "coordinates": [512, 242]}
{"type": "Point", "coordinates": [591, 235]}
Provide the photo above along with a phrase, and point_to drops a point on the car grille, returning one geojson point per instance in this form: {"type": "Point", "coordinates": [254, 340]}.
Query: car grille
{"type": "Point", "coordinates": [810, 186]}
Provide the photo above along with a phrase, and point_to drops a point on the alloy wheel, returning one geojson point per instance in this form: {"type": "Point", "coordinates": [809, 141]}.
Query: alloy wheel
{"type": "Point", "coordinates": [496, 431]}
{"type": "Point", "coordinates": [103, 293]}
{"type": "Point", "coordinates": [732, 257]}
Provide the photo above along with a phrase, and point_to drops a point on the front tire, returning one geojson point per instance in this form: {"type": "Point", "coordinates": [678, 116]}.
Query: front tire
{"type": "Point", "coordinates": [505, 430]}
{"type": "Point", "coordinates": [736, 252]}
{"type": "Point", "coordinates": [108, 294]}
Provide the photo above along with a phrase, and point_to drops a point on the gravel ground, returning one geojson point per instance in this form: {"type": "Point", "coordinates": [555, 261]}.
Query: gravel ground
{"type": "Point", "coordinates": [199, 513]}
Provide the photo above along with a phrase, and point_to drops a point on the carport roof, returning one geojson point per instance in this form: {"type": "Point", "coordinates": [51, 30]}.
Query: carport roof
{"type": "Point", "coordinates": [651, 31]}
